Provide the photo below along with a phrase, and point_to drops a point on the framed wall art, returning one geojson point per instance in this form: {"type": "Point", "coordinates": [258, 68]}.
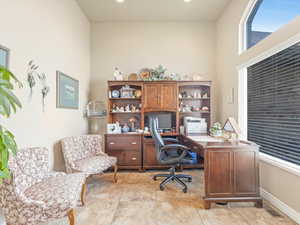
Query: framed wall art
{"type": "Point", "coordinates": [4, 56]}
{"type": "Point", "coordinates": [67, 91]}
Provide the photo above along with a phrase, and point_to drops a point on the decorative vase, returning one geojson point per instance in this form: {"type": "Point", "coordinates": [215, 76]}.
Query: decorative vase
{"type": "Point", "coordinates": [125, 128]}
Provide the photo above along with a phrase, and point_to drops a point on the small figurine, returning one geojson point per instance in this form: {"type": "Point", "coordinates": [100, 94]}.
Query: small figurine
{"type": "Point", "coordinates": [133, 108]}
{"type": "Point", "coordinates": [205, 95]}
{"type": "Point", "coordinates": [121, 109]}
{"type": "Point", "coordinates": [132, 121]}
{"type": "Point", "coordinates": [117, 74]}
{"type": "Point", "coordinates": [127, 108]}
{"type": "Point", "coordinates": [205, 108]}
{"type": "Point", "coordinates": [199, 94]}
{"type": "Point", "coordinates": [125, 128]}
{"type": "Point", "coordinates": [184, 94]}
{"type": "Point", "coordinates": [118, 127]}
{"type": "Point", "coordinates": [114, 108]}
{"type": "Point", "coordinates": [180, 95]}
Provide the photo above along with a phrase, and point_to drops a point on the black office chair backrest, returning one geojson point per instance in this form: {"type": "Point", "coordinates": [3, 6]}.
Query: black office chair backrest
{"type": "Point", "coordinates": [159, 143]}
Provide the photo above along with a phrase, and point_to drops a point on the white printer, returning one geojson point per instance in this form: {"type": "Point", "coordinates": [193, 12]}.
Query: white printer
{"type": "Point", "coordinates": [195, 125]}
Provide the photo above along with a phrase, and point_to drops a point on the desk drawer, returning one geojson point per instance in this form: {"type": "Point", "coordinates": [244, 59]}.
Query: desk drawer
{"type": "Point", "coordinates": [126, 158]}
{"type": "Point", "coordinates": [125, 142]}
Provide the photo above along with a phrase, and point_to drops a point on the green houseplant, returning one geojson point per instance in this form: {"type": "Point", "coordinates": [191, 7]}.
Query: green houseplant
{"type": "Point", "coordinates": [8, 104]}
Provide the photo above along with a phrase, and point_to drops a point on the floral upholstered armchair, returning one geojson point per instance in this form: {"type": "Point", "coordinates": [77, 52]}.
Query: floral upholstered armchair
{"type": "Point", "coordinates": [84, 154]}
{"type": "Point", "coordinates": [34, 194]}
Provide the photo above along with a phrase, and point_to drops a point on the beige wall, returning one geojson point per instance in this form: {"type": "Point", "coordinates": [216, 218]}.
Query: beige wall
{"type": "Point", "coordinates": [276, 181]}
{"type": "Point", "coordinates": [56, 35]}
{"type": "Point", "coordinates": [181, 47]}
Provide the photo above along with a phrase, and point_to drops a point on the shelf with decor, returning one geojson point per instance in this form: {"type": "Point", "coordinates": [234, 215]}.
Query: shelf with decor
{"type": "Point", "coordinates": [195, 101]}
{"type": "Point", "coordinates": [136, 99]}
{"type": "Point", "coordinates": [125, 105]}
{"type": "Point", "coordinates": [182, 99]}
{"type": "Point", "coordinates": [194, 112]}
{"type": "Point", "coordinates": [125, 112]}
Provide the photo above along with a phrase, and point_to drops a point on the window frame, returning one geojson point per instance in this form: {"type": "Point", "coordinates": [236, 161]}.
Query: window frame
{"type": "Point", "coordinates": [244, 25]}
{"type": "Point", "coordinates": [249, 21]}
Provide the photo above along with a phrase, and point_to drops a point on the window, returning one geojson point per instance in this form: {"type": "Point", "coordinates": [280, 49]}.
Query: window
{"type": "Point", "coordinates": [268, 16]}
{"type": "Point", "coordinates": [274, 104]}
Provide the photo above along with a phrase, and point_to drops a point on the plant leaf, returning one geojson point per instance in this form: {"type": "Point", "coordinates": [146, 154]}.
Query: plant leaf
{"type": "Point", "coordinates": [11, 96]}
{"type": "Point", "coordinates": [10, 143]}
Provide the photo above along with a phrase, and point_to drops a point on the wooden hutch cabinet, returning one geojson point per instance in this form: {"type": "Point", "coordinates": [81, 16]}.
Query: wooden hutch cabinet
{"type": "Point", "coordinates": [160, 96]}
{"type": "Point", "coordinates": [137, 151]}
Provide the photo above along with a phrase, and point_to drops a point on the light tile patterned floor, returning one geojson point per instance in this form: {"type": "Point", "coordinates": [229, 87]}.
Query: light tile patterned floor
{"type": "Point", "coordinates": [137, 200]}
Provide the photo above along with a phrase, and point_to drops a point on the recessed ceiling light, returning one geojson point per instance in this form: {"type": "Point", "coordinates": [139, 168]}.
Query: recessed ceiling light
{"type": "Point", "coordinates": [120, 1]}
{"type": "Point", "coordinates": [187, 0]}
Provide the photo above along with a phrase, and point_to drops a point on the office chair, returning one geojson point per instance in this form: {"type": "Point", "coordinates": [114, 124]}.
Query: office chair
{"type": "Point", "coordinates": [170, 154]}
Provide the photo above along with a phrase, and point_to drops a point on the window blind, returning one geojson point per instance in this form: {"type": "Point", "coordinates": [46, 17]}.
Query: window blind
{"type": "Point", "coordinates": [274, 104]}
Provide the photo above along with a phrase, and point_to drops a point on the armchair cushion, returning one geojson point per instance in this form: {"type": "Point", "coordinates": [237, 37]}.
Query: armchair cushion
{"type": "Point", "coordinates": [84, 154]}
{"type": "Point", "coordinates": [95, 164]}
{"type": "Point", "coordinates": [58, 193]}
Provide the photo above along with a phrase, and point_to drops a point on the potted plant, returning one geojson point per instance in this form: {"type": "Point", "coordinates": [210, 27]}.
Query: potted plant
{"type": "Point", "coordinates": [216, 130]}
{"type": "Point", "coordinates": [8, 104]}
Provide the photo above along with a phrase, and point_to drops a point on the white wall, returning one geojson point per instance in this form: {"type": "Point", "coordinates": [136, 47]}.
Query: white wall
{"type": "Point", "coordinates": [56, 35]}
{"type": "Point", "coordinates": [281, 184]}
{"type": "Point", "coordinates": [183, 47]}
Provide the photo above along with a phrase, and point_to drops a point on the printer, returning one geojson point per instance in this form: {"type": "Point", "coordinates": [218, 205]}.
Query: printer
{"type": "Point", "coordinates": [195, 125]}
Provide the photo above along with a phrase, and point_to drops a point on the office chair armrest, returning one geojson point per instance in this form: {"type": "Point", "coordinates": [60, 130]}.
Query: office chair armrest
{"type": "Point", "coordinates": [174, 147]}
{"type": "Point", "coordinates": [174, 140]}
{"type": "Point", "coordinates": [182, 148]}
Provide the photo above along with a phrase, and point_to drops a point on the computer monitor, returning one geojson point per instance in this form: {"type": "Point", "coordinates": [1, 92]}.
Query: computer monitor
{"type": "Point", "coordinates": [164, 120]}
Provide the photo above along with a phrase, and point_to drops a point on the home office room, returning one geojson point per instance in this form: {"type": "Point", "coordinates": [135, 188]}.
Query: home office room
{"type": "Point", "coordinates": [155, 112]}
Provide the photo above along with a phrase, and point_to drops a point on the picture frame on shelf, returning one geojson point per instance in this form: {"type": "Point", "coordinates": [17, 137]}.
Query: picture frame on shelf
{"type": "Point", "coordinates": [113, 128]}
{"type": "Point", "coordinates": [67, 91]}
{"type": "Point", "coordinates": [4, 56]}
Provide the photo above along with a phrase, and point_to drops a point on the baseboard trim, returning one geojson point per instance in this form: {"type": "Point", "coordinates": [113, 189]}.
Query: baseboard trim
{"type": "Point", "coordinates": [290, 212]}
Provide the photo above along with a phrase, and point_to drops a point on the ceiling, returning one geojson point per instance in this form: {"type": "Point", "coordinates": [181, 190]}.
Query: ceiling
{"type": "Point", "coordinates": [152, 10]}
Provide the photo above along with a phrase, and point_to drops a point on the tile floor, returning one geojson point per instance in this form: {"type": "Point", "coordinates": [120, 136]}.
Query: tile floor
{"type": "Point", "coordinates": [137, 200]}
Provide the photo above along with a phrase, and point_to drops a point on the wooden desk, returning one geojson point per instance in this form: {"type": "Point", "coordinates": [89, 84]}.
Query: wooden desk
{"type": "Point", "coordinates": [231, 171]}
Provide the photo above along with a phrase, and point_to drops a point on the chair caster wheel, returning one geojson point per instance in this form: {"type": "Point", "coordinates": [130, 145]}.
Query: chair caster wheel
{"type": "Point", "coordinates": [161, 188]}
{"type": "Point", "coordinates": [189, 179]}
{"type": "Point", "coordinates": [154, 178]}
{"type": "Point", "coordinates": [184, 190]}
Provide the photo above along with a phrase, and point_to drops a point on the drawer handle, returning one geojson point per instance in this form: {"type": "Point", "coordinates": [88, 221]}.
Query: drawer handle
{"type": "Point", "coordinates": [133, 143]}
{"type": "Point", "coordinates": [112, 143]}
{"type": "Point", "coordinates": [133, 158]}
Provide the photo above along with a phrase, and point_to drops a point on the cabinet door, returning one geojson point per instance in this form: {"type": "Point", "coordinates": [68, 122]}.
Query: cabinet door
{"type": "Point", "coordinates": [218, 176]}
{"type": "Point", "coordinates": [149, 153]}
{"type": "Point", "coordinates": [245, 172]}
{"type": "Point", "coordinates": [169, 97]}
{"type": "Point", "coordinates": [152, 97]}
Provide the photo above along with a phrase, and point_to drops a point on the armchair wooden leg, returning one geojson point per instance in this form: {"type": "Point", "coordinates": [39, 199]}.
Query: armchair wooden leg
{"type": "Point", "coordinates": [83, 193]}
{"type": "Point", "coordinates": [115, 173]}
{"type": "Point", "coordinates": [71, 217]}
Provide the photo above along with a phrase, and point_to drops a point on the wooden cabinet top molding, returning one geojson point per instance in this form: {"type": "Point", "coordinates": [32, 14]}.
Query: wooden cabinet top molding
{"type": "Point", "coordinates": [181, 82]}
